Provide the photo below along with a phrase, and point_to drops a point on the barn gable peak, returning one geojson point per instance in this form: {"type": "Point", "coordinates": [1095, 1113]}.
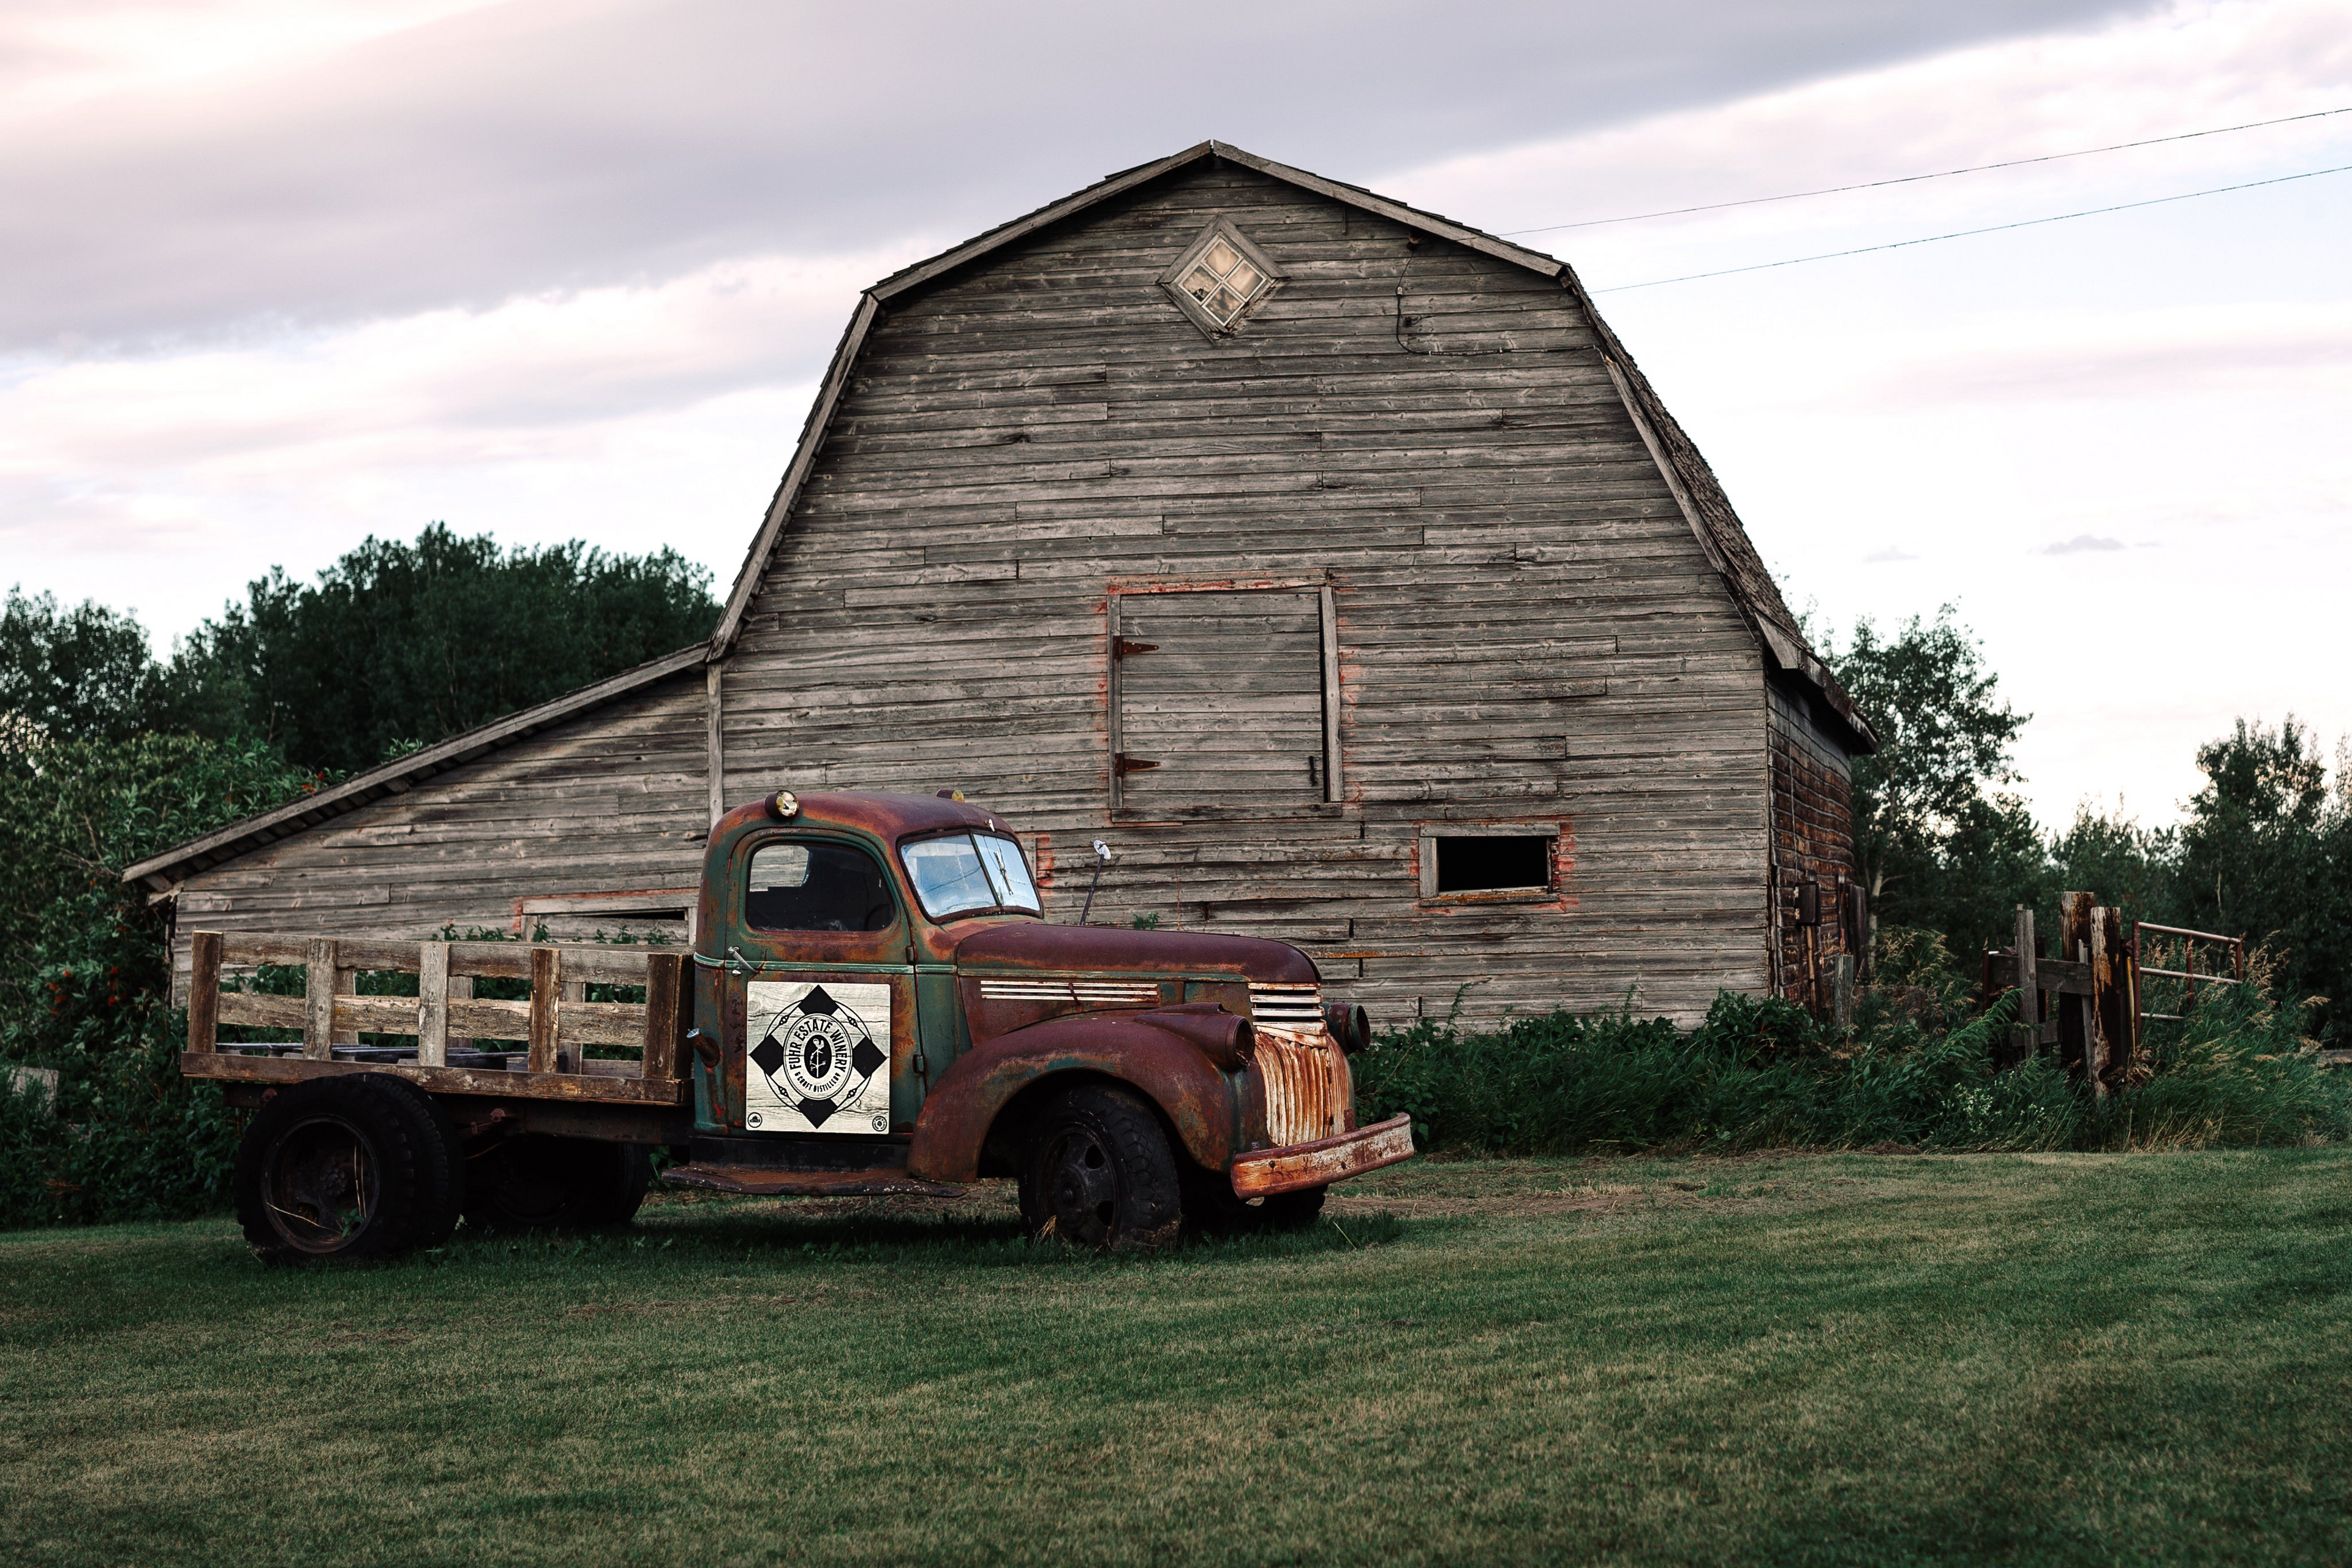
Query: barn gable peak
{"type": "Point", "coordinates": [1718, 527]}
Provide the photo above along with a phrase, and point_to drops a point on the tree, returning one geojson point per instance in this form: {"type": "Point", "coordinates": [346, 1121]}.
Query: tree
{"type": "Point", "coordinates": [2267, 851]}
{"type": "Point", "coordinates": [79, 673]}
{"type": "Point", "coordinates": [397, 645]}
{"type": "Point", "coordinates": [1936, 844]}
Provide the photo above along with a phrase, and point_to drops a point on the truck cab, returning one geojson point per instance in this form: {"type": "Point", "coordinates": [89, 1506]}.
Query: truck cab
{"type": "Point", "coordinates": [879, 1005]}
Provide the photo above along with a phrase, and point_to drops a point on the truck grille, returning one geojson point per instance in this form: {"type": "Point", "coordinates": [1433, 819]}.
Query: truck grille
{"type": "Point", "coordinates": [1310, 1092]}
{"type": "Point", "coordinates": [1097, 993]}
{"type": "Point", "coordinates": [1298, 1008]}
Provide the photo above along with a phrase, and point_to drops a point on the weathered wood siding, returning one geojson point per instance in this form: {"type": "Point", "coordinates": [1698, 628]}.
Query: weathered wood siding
{"type": "Point", "coordinates": [611, 801]}
{"type": "Point", "coordinates": [1525, 628]}
{"type": "Point", "coordinates": [1812, 826]}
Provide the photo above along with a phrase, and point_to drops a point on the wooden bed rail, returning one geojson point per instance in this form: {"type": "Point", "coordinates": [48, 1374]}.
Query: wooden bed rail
{"type": "Point", "coordinates": [556, 1023]}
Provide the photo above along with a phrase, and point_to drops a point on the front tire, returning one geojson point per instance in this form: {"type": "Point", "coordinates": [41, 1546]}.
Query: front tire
{"type": "Point", "coordinates": [358, 1166]}
{"type": "Point", "coordinates": [1097, 1172]}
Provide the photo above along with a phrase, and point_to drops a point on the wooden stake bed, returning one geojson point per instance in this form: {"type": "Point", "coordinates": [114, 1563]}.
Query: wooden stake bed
{"type": "Point", "coordinates": [553, 1027]}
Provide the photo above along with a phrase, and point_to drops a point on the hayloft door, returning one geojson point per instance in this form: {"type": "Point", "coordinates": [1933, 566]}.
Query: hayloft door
{"type": "Point", "coordinates": [1218, 700]}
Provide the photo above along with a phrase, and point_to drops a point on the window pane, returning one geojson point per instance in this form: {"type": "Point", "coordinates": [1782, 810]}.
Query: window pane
{"type": "Point", "coordinates": [948, 876]}
{"type": "Point", "coordinates": [1200, 284]}
{"type": "Point", "coordinates": [1246, 280]}
{"type": "Point", "coordinates": [1485, 863]}
{"type": "Point", "coordinates": [816, 886]}
{"type": "Point", "coordinates": [1009, 872]}
{"type": "Point", "coordinates": [1222, 304]}
{"type": "Point", "coordinates": [1221, 257]}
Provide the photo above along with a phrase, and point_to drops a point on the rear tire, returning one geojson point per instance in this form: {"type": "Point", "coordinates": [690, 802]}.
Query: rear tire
{"type": "Point", "coordinates": [1096, 1173]}
{"type": "Point", "coordinates": [358, 1167]}
{"type": "Point", "coordinates": [529, 1182]}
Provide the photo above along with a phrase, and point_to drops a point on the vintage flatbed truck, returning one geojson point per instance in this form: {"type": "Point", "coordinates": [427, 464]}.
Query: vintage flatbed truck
{"type": "Point", "coordinates": [874, 1004]}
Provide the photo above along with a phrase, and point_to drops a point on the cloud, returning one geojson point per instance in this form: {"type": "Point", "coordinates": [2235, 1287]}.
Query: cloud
{"type": "Point", "coordinates": [1888, 556]}
{"type": "Point", "coordinates": [2080, 545]}
{"type": "Point", "coordinates": [2081, 355]}
{"type": "Point", "coordinates": [568, 143]}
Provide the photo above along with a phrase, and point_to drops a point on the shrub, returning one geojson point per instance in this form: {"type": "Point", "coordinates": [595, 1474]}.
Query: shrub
{"type": "Point", "coordinates": [1762, 1074]}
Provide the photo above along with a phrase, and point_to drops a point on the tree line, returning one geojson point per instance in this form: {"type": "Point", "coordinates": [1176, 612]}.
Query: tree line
{"type": "Point", "coordinates": [109, 754]}
{"type": "Point", "coordinates": [2263, 848]}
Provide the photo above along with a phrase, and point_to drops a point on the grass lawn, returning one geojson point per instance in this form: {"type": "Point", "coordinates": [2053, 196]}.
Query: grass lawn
{"type": "Point", "coordinates": [1844, 1359]}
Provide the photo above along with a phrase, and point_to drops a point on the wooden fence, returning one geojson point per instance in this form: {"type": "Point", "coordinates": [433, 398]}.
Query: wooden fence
{"type": "Point", "coordinates": [2085, 1000]}
{"type": "Point", "coordinates": [555, 1025]}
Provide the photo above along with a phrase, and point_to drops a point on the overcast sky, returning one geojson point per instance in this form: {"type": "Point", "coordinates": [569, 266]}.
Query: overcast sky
{"type": "Point", "coordinates": [277, 275]}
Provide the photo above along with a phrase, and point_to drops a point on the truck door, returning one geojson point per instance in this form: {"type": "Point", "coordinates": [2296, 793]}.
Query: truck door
{"type": "Point", "coordinates": [819, 993]}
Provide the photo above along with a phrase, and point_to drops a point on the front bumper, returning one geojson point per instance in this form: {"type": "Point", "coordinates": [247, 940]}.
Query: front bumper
{"type": "Point", "coordinates": [1325, 1161]}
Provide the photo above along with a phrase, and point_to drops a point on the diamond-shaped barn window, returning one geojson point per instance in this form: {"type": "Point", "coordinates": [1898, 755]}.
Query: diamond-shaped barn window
{"type": "Point", "coordinates": [1220, 279]}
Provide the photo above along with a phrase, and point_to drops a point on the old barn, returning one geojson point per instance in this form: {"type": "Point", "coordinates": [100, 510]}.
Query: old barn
{"type": "Point", "coordinates": [1331, 561]}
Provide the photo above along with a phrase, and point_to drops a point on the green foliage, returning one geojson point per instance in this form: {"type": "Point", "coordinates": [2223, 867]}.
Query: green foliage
{"type": "Point", "coordinates": [1915, 1070]}
{"type": "Point", "coordinates": [128, 1139]}
{"type": "Point", "coordinates": [1943, 739]}
{"type": "Point", "coordinates": [2267, 850]}
{"type": "Point", "coordinates": [397, 646]}
{"type": "Point", "coordinates": [84, 976]}
{"type": "Point", "coordinates": [79, 672]}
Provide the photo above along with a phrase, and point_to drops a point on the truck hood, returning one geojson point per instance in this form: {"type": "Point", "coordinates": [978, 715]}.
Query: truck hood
{"type": "Point", "coordinates": [1108, 949]}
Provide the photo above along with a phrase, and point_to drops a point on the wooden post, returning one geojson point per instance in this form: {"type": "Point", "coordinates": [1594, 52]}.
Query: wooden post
{"type": "Point", "coordinates": [461, 989]}
{"type": "Point", "coordinates": [204, 992]}
{"type": "Point", "coordinates": [1841, 991]}
{"type": "Point", "coordinates": [568, 1057]}
{"type": "Point", "coordinates": [2074, 944]}
{"type": "Point", "coordinates": [347, 984]}
{"type": "Point", "coordinates": [2096, 1043]}
{"type": "Point", "coordinates": [319, 1002]}
{"type": "Point", "coordinates": [1330, 695]}
{"type": "Point", "coordinates": [665, 1014]}
{"type": "Point", "coordinates": [1813, 972]}
{"type": "Point", "coordinates": [433, 1004]}
{"type": "Point", "coordinates": [546, 977]}
{"type": "Point", "coordinates": [2028, 1037]}
{"type": "Point", "coordinates": [714, 738]}
{"type": "Point", "coordinates": [2118, 1004]}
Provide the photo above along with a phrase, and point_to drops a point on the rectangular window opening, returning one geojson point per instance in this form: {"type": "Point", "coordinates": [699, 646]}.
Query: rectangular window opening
{"type": "Point", "coordinates": [1491, 863]}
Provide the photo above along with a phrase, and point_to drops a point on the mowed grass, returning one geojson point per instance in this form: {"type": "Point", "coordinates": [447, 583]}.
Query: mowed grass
{"type": "Point", "coordinates": [1860, 1358]}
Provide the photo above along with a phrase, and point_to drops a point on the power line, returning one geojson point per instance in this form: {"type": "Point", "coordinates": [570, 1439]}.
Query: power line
{"type": "Point", "coordinates": [1965, 233]}
{"type": "Point", "coordinates": [1941, 175]}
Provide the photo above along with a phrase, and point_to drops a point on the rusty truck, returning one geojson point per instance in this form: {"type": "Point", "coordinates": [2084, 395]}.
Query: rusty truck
{"type": "Point", "coordinates": [874, 1004]}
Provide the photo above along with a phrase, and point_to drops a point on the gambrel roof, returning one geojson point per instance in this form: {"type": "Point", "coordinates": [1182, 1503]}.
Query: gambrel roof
{"type": "Point", "coordinates": [1712, 522]}
{"type": "Point", "coordinates": [1717, 527]}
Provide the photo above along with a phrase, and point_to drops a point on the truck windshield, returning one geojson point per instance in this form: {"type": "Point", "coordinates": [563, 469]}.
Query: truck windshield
{"type": "Point", "coordinates": [966, 872]}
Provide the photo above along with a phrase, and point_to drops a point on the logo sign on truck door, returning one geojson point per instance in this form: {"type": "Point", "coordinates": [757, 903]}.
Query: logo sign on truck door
{"type": "Point", "coordinates": [820, 1057]}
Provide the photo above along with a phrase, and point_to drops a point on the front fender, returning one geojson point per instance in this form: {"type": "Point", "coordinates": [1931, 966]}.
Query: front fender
{"type": "Point", "coordinates": [1175, 1071]}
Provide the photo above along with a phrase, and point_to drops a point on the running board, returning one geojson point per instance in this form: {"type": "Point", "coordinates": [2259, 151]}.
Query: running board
{"type": "Point", "coordinates": [765, 1182]}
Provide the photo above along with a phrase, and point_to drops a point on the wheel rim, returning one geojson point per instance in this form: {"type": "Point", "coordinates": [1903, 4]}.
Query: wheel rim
{"type": "Point", "coordinates": [1081, 1185]}
{"type": "Point", "coordinates": [320, 1185]}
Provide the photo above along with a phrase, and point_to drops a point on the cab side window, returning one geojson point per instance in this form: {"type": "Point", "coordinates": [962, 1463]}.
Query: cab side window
{"type": "Point", "coordinates": [816, 886]}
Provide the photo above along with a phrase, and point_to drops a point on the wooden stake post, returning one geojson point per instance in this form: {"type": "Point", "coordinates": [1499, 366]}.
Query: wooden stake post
{"type": "Point", "coordinates": [2093, 983]}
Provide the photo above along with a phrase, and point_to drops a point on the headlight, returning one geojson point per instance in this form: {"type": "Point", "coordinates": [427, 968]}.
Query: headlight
{"type": "Point", "coordinates": [1349, 1024]}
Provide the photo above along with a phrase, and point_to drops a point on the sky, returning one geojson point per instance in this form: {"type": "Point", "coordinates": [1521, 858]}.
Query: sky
{"type": "Point", "coordinates": [278, 275]}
